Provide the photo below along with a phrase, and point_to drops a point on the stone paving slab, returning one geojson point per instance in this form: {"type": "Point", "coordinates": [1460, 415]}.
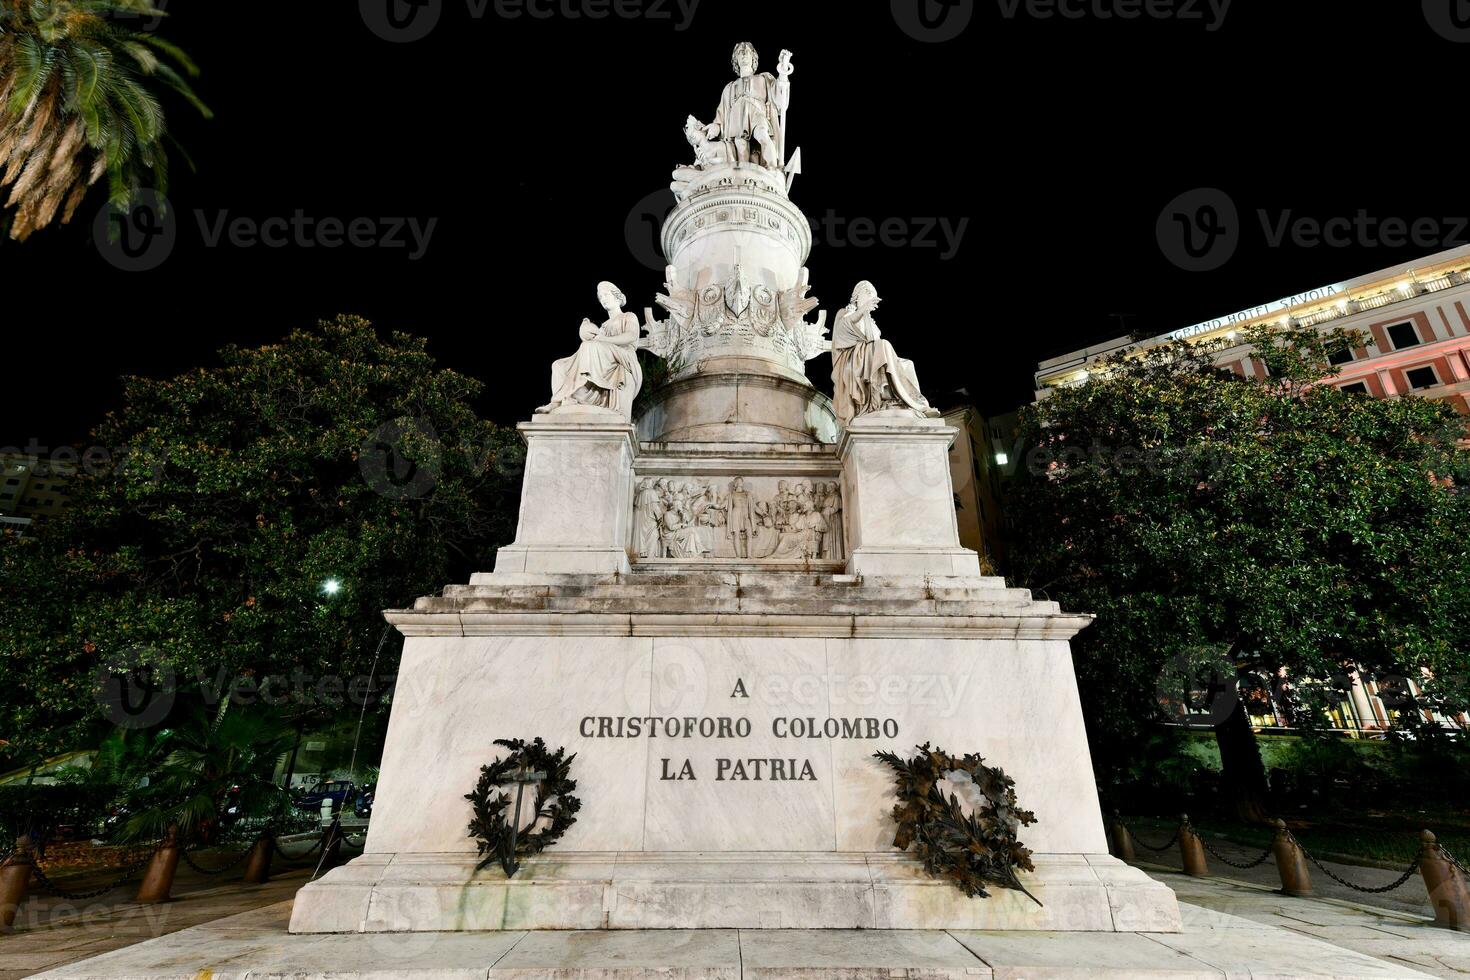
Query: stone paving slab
{"type": "Point", "coordinates": [255, 946]}
{"type": "Point", "coordinates": [1393, 936]}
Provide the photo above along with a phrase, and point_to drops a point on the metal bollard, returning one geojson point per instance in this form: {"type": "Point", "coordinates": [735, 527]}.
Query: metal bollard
{"type": "Point", "coordinates": [1191, 849]}
{"type": "Point", "coordinates": [332, 844]}
{"type": "Point", "coordinates": [258, 864]}
{"type": "Point", "coordinates": [1291, 863]}
{"type": "Point", "coordinates": [15, 877]}
{"type": "Point", "coordinates": [158, 879]}
{"type": "Point", "coordinates": [1122, 841]}
{"type": "Point", "coordinates": [1449, 892]}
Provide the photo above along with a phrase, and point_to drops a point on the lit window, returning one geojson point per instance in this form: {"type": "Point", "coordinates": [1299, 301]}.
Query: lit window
{"type": "Point", "coordinates": [1403, 335]}
{"type": "Point", "coordinates": [1421, 377]}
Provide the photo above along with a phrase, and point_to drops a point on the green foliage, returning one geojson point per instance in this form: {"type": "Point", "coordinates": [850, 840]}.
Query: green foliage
{"type": "Point", "coordinates": [79, 98]}
{"type": "Point", "coordinates": [969, 848]}
{"type": "Point", "coordinates": [41, 809]}
{"type": "Point", "coordinates": [231, 495]}
{"type": "Point", "coordinates": [1279, 523]}
{"type": "Point", "coordinates": [207, 759]}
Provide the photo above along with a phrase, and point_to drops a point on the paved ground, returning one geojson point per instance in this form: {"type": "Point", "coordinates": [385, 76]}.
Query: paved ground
{"type": "Point", "coordinates": [1213, 946]}
{"type": "Point", "coordinates": [1225, 917]}
{"type": "Point", "coordinates": [51, 932]}
{"type": "Point", "coordinates": [1386, 934]}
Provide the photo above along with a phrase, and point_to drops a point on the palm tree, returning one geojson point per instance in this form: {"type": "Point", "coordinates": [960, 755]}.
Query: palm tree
{"type": "Point", "coordinates": [209, 757]}
{"type": "Point", "coordinates": [77, 101]}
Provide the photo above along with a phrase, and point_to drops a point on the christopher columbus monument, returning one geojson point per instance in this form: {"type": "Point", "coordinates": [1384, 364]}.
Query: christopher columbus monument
{"type": "Point", "coordinates": [725, 595]}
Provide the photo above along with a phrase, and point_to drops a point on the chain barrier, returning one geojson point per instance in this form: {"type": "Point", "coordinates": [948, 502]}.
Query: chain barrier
{"type": "Point", "coordinates": [1139, 840]}
{"type": "Point", "coordinates": [1409, 873]}
{"type": "Point", "coordinates": [235, 861]}
{"type": "Point", "coordinates": [1270, 849]}
{"type": "Point", "coordinates": [50, 886]}
{"type": "Point", "coordinates": [1453, 860]}
{"type": "Point", "coordinates": [297, 857]}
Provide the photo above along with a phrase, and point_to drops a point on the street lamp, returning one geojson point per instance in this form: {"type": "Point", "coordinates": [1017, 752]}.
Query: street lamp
{"type": "Point", "coordinates": [332, 586]}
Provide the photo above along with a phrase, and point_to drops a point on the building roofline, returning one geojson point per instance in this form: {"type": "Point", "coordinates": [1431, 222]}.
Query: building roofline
{"type": "Point", "coordinates": [1318, 296]}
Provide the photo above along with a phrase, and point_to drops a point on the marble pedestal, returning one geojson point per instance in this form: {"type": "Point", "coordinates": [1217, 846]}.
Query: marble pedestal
{"type": "Point", "coordinates": [576, 496]}
{"type": "Point", "coordinates": [817, 671]}
{"type": "Point", "coordinates": [899, 498]}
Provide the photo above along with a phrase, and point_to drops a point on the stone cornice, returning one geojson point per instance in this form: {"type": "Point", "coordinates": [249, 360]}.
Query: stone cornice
{"type": "Point", "coordinates": [1041, 626]}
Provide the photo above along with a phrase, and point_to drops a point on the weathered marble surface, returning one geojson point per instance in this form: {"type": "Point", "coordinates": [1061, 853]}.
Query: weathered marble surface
{"type": "Point", "coordinates": [719, 890]}
{"type": "Point", "coordinates": [456, 695]}
{"type": "Point", "coordinates": [900, 502]}
{"type": "Point", "coordinates": [252, 945]}
{"type": "Point", "coordinates": [577, 494]}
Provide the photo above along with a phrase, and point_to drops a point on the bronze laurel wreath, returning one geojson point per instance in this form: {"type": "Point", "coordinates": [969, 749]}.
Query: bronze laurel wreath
{"type": "Point", "coordinates": [971, 849]}
{"type": "Point", "coordinates": [554, 803]}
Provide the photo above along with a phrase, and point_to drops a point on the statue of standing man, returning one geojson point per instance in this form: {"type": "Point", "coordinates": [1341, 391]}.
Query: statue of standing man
{"type": "Point", "coordinates": [752, 110]}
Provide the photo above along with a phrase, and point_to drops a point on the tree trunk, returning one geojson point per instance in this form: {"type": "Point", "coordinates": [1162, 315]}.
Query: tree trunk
{"type": "Point", "coordinates": [1243, 770]}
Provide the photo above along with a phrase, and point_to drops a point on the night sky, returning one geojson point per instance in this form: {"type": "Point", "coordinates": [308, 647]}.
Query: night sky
{"type": "Point", "coordinates": [535, 144]}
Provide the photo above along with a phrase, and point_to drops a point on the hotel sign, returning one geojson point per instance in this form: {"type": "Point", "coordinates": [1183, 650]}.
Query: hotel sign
{"type": "Point", "coordinates": [1281, 306]}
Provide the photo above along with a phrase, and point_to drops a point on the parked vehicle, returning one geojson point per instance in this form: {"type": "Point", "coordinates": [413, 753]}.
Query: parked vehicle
{"type": "Point", "coordinates": [363, 808]}
{"type": "Point", "coordinates": [339, 791]}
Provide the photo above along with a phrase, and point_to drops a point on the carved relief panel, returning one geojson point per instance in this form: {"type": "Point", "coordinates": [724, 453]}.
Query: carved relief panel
{"type": "Point", "coordinates": [690, 518]}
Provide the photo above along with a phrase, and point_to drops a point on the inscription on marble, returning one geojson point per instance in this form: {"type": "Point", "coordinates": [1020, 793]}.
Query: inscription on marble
{"type": "Point", "coordinates": [735, 768]}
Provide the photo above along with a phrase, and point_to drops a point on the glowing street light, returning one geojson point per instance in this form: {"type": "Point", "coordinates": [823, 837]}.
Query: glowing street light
{"type": "Point", "coordinates": [332, 586]}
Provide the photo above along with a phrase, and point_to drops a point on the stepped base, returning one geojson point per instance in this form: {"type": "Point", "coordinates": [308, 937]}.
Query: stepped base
{"type": "Point", "coordinates": [254, 946]}
{"type": "Point", "coordinates": [772, 890]}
